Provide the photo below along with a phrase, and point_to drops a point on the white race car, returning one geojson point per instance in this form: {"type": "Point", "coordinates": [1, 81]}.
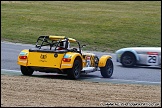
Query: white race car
{"type": "Point", "coordinates": [131, 56]}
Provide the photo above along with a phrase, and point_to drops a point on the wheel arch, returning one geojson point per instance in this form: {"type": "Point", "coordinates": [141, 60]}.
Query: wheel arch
{"type": "Point", "coordinates": [107, 70]}
{"type": "Point", "coordinates": [74, 72]}
{"type": "Point", "coordinates": [73, 57]}
{"type": "Point", "coordinates": [132, 52]}
{"type": "Point", "coordinates": [103, 59]}
{"type": "Point", "coordinates": [80, 59]}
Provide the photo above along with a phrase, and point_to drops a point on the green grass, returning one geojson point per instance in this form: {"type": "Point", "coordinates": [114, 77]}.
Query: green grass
{"type": "Point", "coordinates": [102, 25]}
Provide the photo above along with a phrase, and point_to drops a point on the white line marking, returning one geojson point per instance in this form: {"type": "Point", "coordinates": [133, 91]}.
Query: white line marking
{"type": "Point", "coordinates": [101, 78]}
{"type": "Point", "coordinates": [6, 42]}
{"type": "Point", "coordinates": [129, 80]}
{"type": "Point", "coordinates": [10, 70]}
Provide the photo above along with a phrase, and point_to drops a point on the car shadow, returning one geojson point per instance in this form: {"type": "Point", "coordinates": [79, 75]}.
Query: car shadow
{"type": "Point", "coordinates": [62, 76]}
{"type": "Point", "coordinates": [88, 76]}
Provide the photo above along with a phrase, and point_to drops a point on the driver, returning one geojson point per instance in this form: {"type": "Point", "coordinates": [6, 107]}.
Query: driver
{"type": "Point", "coordinates": [62, 45]}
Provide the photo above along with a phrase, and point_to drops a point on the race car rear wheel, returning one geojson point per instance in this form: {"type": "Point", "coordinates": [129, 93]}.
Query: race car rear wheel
{"type": "Point", "coordinates": [26, 70]}
{"type": "Point", "coordinates": [107, 71]}
{"type": "Point", "coordinates": [128, 59]}
{"type": "Point", "coordinates": [75, 71]}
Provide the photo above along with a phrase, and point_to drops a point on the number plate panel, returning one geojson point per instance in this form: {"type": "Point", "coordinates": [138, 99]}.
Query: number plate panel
{"type": "Point", "coordinates": [152, 58]}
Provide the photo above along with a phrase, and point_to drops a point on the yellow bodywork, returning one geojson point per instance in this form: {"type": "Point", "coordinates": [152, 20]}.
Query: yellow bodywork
{"type": "Point", "coordinates": [103, 59]}
{"type": "Point", "coordinates": [47, 59]}
{"type": "Point", "coordinates": [43, 59]}
{"type": "Point", "coordinates": [72, 56]}
{"type": "Point", "coordinates": [23, 62]}
{"type": "Point", "coordinates": [55, 59]}
{"type": "Point", "coordinates": [91, 55]}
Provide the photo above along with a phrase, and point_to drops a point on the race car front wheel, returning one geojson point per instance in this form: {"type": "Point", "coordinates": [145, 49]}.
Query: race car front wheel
{"type": "Point", "coordinates": [107, 71]}
{"type": "Point", "coordinates": [128, 59]}
{"type": "Point", "coordinates": [75, 71]}
{"type": "Point", "coordinates": [26, 70]}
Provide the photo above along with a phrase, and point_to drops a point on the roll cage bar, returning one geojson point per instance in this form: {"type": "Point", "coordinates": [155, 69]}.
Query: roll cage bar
{"type": "Point", "coordinates": [55, 40]}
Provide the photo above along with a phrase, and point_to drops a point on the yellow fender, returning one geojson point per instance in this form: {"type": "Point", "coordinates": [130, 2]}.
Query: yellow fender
{"type": "Point", "coordinates": [72, 56]}
{"type": "Point", "coordinates": [24, 62]}
{"type": "Point", "coordinates": [103, 59]}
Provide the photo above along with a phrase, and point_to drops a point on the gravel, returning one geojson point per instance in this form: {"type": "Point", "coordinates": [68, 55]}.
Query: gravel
{"type": "Point", "coordinates": [25, 91]}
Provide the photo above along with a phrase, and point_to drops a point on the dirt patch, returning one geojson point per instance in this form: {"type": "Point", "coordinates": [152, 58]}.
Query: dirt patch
{"type": "Point", "coordinates": [20, 91]}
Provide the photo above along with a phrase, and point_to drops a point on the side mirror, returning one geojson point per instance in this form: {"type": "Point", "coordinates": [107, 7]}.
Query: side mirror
{"type": "Point", "coordinates": [83, 46]}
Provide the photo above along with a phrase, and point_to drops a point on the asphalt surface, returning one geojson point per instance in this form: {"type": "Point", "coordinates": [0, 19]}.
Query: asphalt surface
{"type": "Point", "coordinates": [136, 75]}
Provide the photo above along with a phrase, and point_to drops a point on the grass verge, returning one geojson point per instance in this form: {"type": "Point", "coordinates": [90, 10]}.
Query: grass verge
{"type": "Point", "coordinates": [103, 25]}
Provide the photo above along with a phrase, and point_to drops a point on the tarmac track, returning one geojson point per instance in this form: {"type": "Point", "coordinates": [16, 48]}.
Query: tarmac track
{"type": "Point", "coordinates": [137, 75]}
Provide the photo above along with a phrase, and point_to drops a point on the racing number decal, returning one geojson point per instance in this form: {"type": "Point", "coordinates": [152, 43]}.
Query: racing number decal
{"type": "Point", "coordinates": [88, 60]}
{"type": "Point", "coordinates": [152, 58]}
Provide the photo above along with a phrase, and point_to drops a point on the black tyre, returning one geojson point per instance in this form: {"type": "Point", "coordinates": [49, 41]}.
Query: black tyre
{"type": "Point", "coordinates": [75, 71]}
{"type": "Point", "coordinates": [96, 60]}
{"type": "Point", "coordinates": [128, 59]}
{"type": "Point", "coordinates": [26, 70]}
{"type": "Point", "coordinates": [107, 71]}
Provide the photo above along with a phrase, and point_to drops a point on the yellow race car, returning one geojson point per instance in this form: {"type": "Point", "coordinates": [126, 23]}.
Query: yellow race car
{"type": "Point", "coordinates": [63, 55]}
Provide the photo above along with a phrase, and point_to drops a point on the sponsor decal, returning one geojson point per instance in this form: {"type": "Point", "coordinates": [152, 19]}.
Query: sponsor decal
{"type": "Point", "coordinates": [43, 56]}
{"type": "Point", "coordinates": [88, 60]}
{"type": "Point", "coordinates": [66, 64]}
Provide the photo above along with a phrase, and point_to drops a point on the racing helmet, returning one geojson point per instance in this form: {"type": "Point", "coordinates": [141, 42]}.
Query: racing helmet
{"type": "Point", "coordinates": [63, 44]}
